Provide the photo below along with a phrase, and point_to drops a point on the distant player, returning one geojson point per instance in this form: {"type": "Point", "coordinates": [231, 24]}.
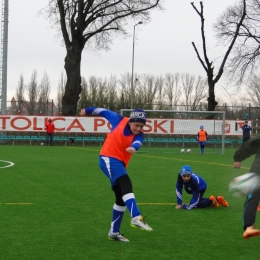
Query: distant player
{"type": "Point", "coordinates": [246, 131]}
{"type": "Point", "coordinates": [202, 138]}
{"type": "Point", "coordinates": [49, 127]}
{"type": "Point", "coordinates": [124, 139]}
{"type": "Point", "coordinates": [196, 186]}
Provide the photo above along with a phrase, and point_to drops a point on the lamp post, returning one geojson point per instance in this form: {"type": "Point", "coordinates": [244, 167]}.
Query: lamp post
{"type": "Point", "coordinates": [132, 80]}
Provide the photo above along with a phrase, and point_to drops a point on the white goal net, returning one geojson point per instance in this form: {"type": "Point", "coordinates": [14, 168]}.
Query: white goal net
{"type": "Point", "coordinates": [185, 125]}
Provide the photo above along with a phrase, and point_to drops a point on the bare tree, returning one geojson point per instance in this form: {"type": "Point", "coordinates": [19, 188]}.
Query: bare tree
{"type": "Point", "coordinates": [112, 93]}
{"type": "Point", "coordinates": [33, 93]}
{"type": "Point", "coordinates": [199, 93]}
{"type": "Point", "coordinates": [146, 91]}
{"type": "Point", "coordinates": [95, 23]}
{"type": "Point", "coordinates": [187, 86]}
{"type": "Point", "coordinates": [160, 97]}
{"type": "Point", "coordinates": [125, 90]}
{"type": "Point", "coordinates": [84, 98]}
{"type": "Point", "coordinates": [172, 89]}
{"type": "Point", "coordinates": [254, 91]}
{"type": "Point", "coordinates": [246, 52]}
{"type": "Point", "coordinates": [60, 91]}
{"type": "Point", "coordinates": [207, 65]}
{"type": "Point", "coordinates": [19, 95]}
{"type": "Point", "coordinates": [44, 93]}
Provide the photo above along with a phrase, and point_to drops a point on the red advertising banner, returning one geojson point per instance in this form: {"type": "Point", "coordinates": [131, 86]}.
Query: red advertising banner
{"type": "Point", "coordinates": [101, 125]}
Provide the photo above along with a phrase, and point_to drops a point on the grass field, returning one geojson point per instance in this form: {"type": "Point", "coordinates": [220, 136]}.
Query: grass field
{"type": "Point", "coordinates": [56, 204]}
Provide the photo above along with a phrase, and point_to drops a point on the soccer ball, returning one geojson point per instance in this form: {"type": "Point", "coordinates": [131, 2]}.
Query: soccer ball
{"type": "Point", "coordinates": [244, 184]}
{"type": "Point", "coordinates": [188, 150]}
{"type": "Point", "coordinates": [182, 151]}
{"type": "Point", "coordinates": [41, 143]}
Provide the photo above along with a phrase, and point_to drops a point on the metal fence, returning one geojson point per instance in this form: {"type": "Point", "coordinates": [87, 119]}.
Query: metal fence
{"type": "Point", "coordinates": [47, 108]}
{"type": "Point", "coordinates": [50, 108]}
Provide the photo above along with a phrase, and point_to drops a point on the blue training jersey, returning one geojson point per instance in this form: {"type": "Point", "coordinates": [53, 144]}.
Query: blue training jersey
{"type": "Point", "coordinates": [114, 119]}
{"type": "Point", "coordinates": [193, 186]}
{"type": "Point", "coordinates": [246, 131]}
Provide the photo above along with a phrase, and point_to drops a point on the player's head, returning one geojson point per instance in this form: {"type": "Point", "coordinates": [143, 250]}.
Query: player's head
{"type": "Point", "coordinates": [137, 120]}
{"type": "Point", "coordinates": [201, 127]}
{"type": "Point", "coordinates": [49, 120]}
{"type": "Point", "coordinates": [246, 122]}
{"type": "Point", "coordinates": [186, 172]}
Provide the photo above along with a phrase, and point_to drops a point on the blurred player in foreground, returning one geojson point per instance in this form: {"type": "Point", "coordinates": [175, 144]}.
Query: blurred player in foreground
{"type": "Point", "coordinates": [250, 147]}
{"type": "Point", "coordinates": [124, 139]}
{"type": "Point", "coordinates": [196, 186]}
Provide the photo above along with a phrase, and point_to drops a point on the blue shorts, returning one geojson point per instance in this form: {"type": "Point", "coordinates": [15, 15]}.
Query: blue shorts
{"type": "Point", "coordinates": [203, 143]}
{"type": "Point", "coordinates": [112, 168]}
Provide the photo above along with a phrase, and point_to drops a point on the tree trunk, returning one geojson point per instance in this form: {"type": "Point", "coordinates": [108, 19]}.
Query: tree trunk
{"type": "Point", "coordinates": [73, 85]}
{"type": "Point", "coordinates": [211, 98]}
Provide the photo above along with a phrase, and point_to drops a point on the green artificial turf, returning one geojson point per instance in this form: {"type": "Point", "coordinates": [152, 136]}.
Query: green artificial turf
{"type": "Point", "coordinates": [56, 204]}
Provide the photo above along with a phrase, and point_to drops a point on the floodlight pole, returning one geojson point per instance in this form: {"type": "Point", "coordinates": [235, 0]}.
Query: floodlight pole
{"type": "Point", "coordinates": [132, 79]}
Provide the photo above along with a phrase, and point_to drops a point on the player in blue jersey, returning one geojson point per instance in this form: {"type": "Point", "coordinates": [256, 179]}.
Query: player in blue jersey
{"type": "Point", "coordinates": [124, 139]}
{"type": "Point", "coordinates": [246, 131]}
{"type": "Point", "coordinates": [196, 186]}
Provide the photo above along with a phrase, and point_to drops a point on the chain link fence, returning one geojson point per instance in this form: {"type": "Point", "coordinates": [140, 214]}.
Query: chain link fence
{"type": "Point", "coordinates": [49, 108]}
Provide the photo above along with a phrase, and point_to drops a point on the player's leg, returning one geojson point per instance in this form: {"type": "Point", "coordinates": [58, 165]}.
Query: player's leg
{"type": "Point", "coordinates": [128, 197]}
{"type": "Point", "coordinates": [107, 166]}
{"type": "Point", "coordinates": [117, 216]}
{"type": "Point", "coordinates": [202, 147]}
{"type": "Point", "coordinates": [203, 202]}
{"type": "Point", "coordinates": [116, 172]}
{"type": "Point", "coordinates": [51, 139]}
{"type": "Point", "coordinates": [118, 210]}
{"type": "Point", "coordinates": [47, 139]}
{"type": "Point", "coordinates": [249, 215]}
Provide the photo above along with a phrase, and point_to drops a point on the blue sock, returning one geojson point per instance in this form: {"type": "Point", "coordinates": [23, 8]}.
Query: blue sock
{"type": "Point", "coordinates": [131, 205]}
{"type": "Point", "coordinates": [117, 216]}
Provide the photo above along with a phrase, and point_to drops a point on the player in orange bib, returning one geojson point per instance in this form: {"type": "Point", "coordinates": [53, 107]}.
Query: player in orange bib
{"type": "Point", "coordinates": [202, 138]}
{"type": "Point", "coordinates": [124, 139]}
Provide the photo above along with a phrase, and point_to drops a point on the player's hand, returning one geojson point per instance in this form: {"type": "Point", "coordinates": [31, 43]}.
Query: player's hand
{"type": "Point", "coordinates": [130, 150]}
{"type": "Point", "coordinates": [82, 112]}
{"type": "Point", "coordinates": [178, 207]}
{"type": "Point", "coordinates": [237, 165]}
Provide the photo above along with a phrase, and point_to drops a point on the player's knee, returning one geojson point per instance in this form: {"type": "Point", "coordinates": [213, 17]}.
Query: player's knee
{"type": "Point", "coordinates": [118, 193]}
{"type": "Point", "coordinates": [125, 184]}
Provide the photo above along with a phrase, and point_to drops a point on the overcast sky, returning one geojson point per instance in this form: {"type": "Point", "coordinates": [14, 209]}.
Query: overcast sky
{"type": "Point", "coordinates": [163, 45]}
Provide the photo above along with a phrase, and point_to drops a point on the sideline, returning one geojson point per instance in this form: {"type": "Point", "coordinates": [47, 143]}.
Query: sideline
{"type": "Point", "coordinates": [167, 158]}
{"type": "Point", "coordinates": [181, 159]}
{"type": "Point", "coordinates": [16, 203]}
{"type": "Point", "coordinates": [157, 203]}
{"type": "Point", "coordinates": [10, 164]}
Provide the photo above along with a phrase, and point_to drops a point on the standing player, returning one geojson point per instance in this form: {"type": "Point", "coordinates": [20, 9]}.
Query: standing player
{"type": "Point", "coordinates": [246, 131]}
{"type": "Point", "coordinates": [202, 138]}
{"type": "Point", "coordinates": [49, 127]}
{"type": "Point", "coordinates": [196, 186]}
{"type": "Point", "coordinates": [124, 139]}
{"type": "Point", "coordinates": [247, 149]}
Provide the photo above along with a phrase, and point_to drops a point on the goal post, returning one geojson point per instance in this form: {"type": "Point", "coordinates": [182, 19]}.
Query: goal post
{"type": "Point", "coordinates": [185, 124]}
